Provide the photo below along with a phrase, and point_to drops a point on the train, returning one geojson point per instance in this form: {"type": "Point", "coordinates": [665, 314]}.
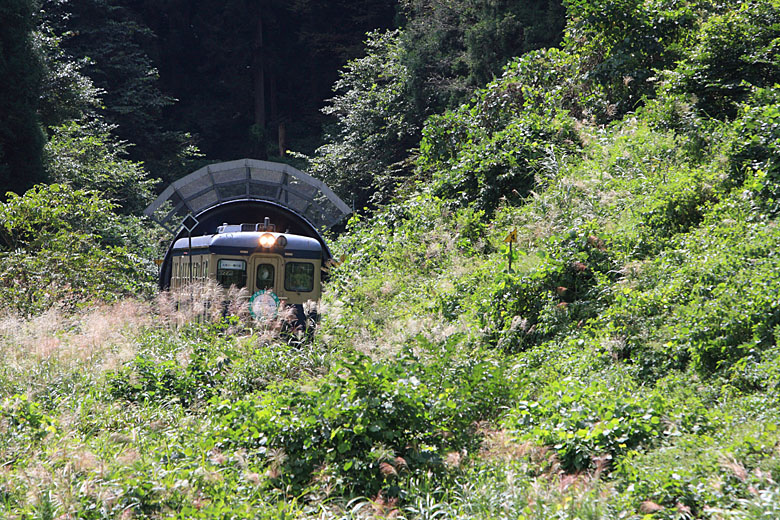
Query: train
{"type": "Point", "coordinates": [277, 268]}
{"type": "Point", "coordinates": [250, 224]}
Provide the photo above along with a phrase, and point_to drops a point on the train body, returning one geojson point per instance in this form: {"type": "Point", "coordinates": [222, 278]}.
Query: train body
{"type": "Point", "coordinates": [285, 268]}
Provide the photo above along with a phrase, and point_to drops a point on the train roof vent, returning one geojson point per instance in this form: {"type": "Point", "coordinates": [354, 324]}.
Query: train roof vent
{"type": "Point", "coordinates": [228, 228]}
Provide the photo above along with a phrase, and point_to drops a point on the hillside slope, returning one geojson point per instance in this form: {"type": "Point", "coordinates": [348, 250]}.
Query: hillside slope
{"type": "Point", "coordinates": [626, 364]}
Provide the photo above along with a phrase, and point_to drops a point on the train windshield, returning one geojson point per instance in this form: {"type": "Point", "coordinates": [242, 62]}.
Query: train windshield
{"type": "Point", "coordinates": [231, 272]}
{"type": "Point", "coordinates": [299, 277]}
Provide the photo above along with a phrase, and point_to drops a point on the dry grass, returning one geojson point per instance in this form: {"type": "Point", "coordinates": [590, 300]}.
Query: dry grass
{"type": "Point", "coordinates": [104, 337]}
{"type": "Point", "coordinates": [100, 338]}
{"type": "Point", "coordinates": [209, 302]}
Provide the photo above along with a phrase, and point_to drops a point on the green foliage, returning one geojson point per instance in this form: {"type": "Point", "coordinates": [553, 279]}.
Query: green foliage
{"type": "Point", "coordinates": [66, 93]}
{"type": "Point", "coordinates": [24, 419]}
{"type": "Point", "coordinates": [111, 46]}
{"type": "Point", "coordinates": [454, 48]}
{"type": "Point", "coordinates": [587, 423]}
{"type": "Point", "coordinates": [155, 380]}
{"type": "Point", "coordinates": [623, 43]}
{"type": "Point", "coordinates": [525, 309]}
{"type": "Point", "coordinates": [676, 206]}
{"type": "Point", "coordinates": [706, 303]}
{"type": "Point", "coordinates": [84, 155]}
{"type": "Point", "coordinates": [627, 362]}
{"type": "Point", "coordinates": [734, 50]}
{"type": "Point", "coordinates": [369, 421]}
{"type": "Point", "coordinates": [64, 247]}
{"type": "Point", "coordinates": [754, 148]}
{"type": "Point", "coordinates": [489, 150]}
{"type": "Point", "coordinates": [375, 124]}
{"type": "Point", "coordinates": [203, 361]}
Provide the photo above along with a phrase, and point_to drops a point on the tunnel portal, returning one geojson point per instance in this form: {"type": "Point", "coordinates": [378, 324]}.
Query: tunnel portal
{"type": "Point", "coordinates": [245, 191]}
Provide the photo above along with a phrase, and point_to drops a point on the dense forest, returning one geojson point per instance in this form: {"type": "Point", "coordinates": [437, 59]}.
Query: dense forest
{"type": "Point", "coordinates": [559, 296]}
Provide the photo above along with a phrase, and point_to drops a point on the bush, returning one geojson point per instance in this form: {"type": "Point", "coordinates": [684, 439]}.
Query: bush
{"type": "Point", "coordinates": [710, 299]}
{"type": "Point", "coordinates": [24, 419]}
{"type": "Point", "coordinates": [489, 150]}
{"type": "Point", "coordinates": [527, 309]}
{"type": "Point", "coordinates": [755, 150]}
{"type": "Point", "coordinates": [585, 423]}
{"type": "Point", "coordinates": [367, 422]}
{"type": "Point", "coordinates": [734, 50]}
{"type": "Point", "coordinates": [64, 247]}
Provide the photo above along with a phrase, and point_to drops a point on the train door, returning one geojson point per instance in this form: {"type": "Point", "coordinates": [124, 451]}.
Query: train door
{"type": "Point", "coordinates": [266, 274]}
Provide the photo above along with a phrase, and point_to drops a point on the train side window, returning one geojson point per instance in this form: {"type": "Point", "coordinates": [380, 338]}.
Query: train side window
{"type": "Point", "coordinates": [299, 277]}
{"type": "Point", "coordinates": [231, 272]}
{"type": "Point", "coordinates": [265, 276]}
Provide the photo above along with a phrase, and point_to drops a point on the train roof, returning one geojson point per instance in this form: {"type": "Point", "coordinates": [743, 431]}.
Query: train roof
{"type": "Point", "coordinates": [248, 242]}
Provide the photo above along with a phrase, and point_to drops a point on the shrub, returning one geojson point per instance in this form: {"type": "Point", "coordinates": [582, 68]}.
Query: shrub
{"type": "Point", "coordinates": [376, 124]}
{"type": "Point", "coordinates": [64, 247]}
{"type": "Point", "coordinates": [734, 50]}
{"type": "Point", "coordinates": [710, 299]}
{"type": "Point", "coordinates": [489, 150]}
{"type": "Point", "coordinates": [24, 420]}
{"type": "Point", "coordinates": [584, 423]}
{"type": "Point", "coordinates": [367, 422]}
{"type": "Point", "coordinates": [755, 150]}
{"type": "Point", "coordinates": [674, 207]}
{"type": "Point", "coordinates": [526, 309]}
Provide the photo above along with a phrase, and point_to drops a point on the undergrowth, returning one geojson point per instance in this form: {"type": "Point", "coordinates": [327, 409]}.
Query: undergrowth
{"type": "Point", "coordinates": [572, 312]}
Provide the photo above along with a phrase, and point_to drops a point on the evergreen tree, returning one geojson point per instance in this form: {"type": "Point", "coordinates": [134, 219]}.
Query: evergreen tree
{"type": "Point", "coordinates": [115, 46]}
{"type": "Point", "coordinates": [454, 47]}
{"type": "Point", "coordinates": [247, 73]}
{"type": "Point", "coordinates": [21, 137]}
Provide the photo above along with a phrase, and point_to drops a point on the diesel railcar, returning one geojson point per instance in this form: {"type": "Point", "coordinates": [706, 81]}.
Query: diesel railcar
{"type": "Point", "coordinates": [279, 268]}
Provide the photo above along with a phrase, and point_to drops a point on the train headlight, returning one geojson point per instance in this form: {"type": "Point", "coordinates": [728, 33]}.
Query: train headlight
{"type": "Point", "coordinates": [267, 240]}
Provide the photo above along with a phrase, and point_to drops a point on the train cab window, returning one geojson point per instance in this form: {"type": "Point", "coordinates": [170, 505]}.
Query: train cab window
{"type": "Point", "coordinates": [265, 276]}
{"type": "Point", "coordinates": [231, 272]}
{"type": "Point", "coordinates": [299, 277]}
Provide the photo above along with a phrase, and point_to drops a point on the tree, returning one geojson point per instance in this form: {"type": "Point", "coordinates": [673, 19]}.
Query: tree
{"type": "Point", "coordinates": [454, 47]}
{"type": "Point", "coordinates": [112, 45]}
{"type": "Point", "coordinates": [62, 247]}
{"type": "Point", "coordinates": [66, 93]}
{"type": "Point", "coordinates": [21, 137]}
{"type": "Point", "coordinates": [244, 69]}
{"type": "Point", "coordinates": [376, 123]}
{"type": "Point", "coordinates": [85, 155]}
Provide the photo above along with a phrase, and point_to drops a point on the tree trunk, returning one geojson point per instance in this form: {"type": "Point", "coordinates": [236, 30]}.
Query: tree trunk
{"type": "Point", "coordinates": [258, 78]}
{"type": "Point", "coordinates": [282, 139]}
